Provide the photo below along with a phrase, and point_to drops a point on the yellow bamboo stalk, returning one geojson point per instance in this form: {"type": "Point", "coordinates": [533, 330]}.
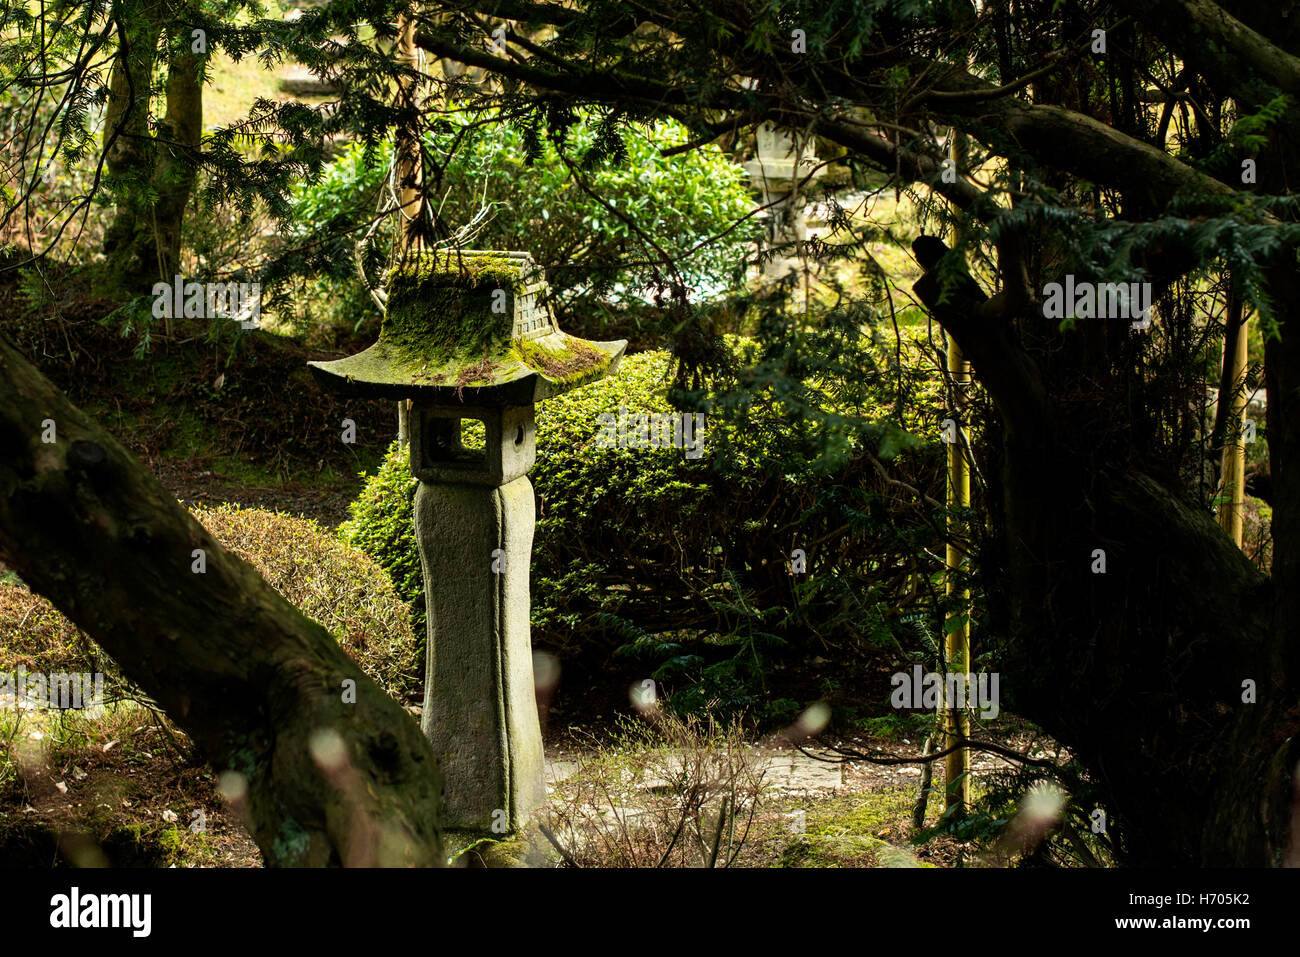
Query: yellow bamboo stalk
{"type": "Point", "coordinates": [957, 642]}
{"type": "Point", "coordinates": [1232, 495]}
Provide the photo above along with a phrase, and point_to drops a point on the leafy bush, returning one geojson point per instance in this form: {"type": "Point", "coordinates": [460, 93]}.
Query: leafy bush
{"type": "Point", "coordinates": [35, 635]}
{"type": "Point", "coordinates": [584, 243]}
{"type": "Point", "coordinates": [331, 583]}
{"type": "Point", "coordinates": [382, 526]}
{"type": "Point", "coordinates": [685, 563]}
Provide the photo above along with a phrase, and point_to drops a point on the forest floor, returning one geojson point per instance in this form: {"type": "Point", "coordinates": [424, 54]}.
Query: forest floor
{"type": "Point", "coordinates": [124, 790]}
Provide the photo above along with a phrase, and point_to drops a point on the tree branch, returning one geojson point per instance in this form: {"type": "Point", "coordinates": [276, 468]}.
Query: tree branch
{"type": "Point", "coordinates": [1065, 140]}
{"type": "Point", "coordinates": [1222, 47]}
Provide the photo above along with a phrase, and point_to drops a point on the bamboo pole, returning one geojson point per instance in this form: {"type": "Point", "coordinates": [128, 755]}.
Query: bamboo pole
{"type": "Point", "coordinates": [957, 627]}
{"type": "Point", "coordinates": [957, 641]}
{"type": "Point", "coordinates": [1232, 494]}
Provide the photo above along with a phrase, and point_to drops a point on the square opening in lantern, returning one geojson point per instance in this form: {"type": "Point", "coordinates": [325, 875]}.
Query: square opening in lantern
{"type": "Point", "coordinates": [479, 445]}
{"type": "Point", "coordinates": [456, 442]}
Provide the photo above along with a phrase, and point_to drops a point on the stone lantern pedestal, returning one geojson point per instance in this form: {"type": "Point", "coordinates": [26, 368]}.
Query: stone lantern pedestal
{"type": "Point", "coordinates": [474, 521]}
{"type": "Point", "coordinates": [468, 335]}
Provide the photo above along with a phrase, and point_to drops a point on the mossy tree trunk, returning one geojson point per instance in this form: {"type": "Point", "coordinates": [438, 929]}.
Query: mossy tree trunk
{"type": "Point", "coordinates": [335, 771]}
{"type": "Point", "coordinates": [178, 143]}
{"type": "Point", "coordinates": [128, 153]}
{"type": "Point", "coordinates": [153, 174]}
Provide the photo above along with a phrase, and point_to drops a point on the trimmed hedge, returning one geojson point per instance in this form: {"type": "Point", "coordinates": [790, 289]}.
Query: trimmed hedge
{"type": "Point", "coordinates": [333, 584]}
{"type": "Point", "coordinates": [330, 582]}
{"type": "Point", "coordinates": [688, 561]}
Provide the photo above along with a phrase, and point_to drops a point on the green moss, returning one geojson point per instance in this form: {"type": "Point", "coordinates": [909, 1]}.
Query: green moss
{"type": "Point", "coordinates": [480, 372]}
{"type": "Point", "coordinates": [430, 323]}
{"type": "Point", "coordinates": [575, 361]}
{"type": "Point", "coordinates": [439, 305]}
{"type": "Point", "coordinates": [862, 816]}
{"type": "Point", "coordinates": [445, 326]}
{"type": "Point", "coordinates": [855, 831]}
{"type": "Point", "coordinates": [243, 761]}
{"type": "Point", "coordinates": [468, 268]}
{"type": "Point", "coordinates": [474, 849]}
{"type": "Point", "coordinates": [291, 843]}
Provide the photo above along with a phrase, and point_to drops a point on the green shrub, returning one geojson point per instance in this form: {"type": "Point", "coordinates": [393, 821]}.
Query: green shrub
{"type": "Point", "coordinates": [35, 635]}
{"type": "Point", "coordinates": [589, 251]}
{"type": "Point", "coordinates": [382, 526]}
{"type": "Point", "coordinates": [330, 582]}
{"type": "Point", "coordinates": [683, 562]}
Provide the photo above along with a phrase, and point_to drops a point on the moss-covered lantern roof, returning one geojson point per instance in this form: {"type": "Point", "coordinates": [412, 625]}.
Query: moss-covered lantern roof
{"type": "Point", "coordinates": [469, 327]}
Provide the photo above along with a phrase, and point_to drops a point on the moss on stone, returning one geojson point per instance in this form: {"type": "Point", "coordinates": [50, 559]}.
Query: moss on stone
{"type": "Point", "coordinates": [468, 268]}
{"type": "Point", "coordinates": [476, 849]}
{"type": "Point", "coordinates": [577, 359]}
{"type": "Point", "coordinates": [441, 329]}
{"type": "Point", "coordinates": [440, 304]}
{"type": "Point", "coordinates": [429, 322]}
{"type": "Point", "coordinates": [479, 373]}
{"type": "Point", "coordinates": [291, 842]}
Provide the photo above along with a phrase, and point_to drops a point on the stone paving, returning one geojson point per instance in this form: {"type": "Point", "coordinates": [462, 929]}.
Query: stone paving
{"type": "Point", "coordinates": [790, 771]}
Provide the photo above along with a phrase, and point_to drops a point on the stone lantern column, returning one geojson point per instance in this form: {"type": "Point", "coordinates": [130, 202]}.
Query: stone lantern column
{"type": "Point", "coordinates": [474, 522]}
{"type": "Point", "coordinates": [468, 335]}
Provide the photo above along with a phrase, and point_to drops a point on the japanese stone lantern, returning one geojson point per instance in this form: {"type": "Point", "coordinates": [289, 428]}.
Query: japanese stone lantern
{"type": "Point", "coordinates": [781, 170]}
{"type": "Point", "coordinates": [469, 335]}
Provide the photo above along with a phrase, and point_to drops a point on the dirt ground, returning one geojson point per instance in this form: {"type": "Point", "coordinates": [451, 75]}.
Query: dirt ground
{"type": "Point", "coordinates": [127, 790]}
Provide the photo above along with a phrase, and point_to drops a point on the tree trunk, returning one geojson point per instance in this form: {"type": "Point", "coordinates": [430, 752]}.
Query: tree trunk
{"type": "Point", "coordinates": [1228, 420]}
{"type": "Point", "coordinates": [265, 692]}
{"type": "Point", "coordinates": [128, 145]}
{"type": "Point", "coordinates": [1139, 668]}
{"type": "Point", "coordinates": [143, 242]}
{"type": "Point", "coordinates": [178, 144]}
